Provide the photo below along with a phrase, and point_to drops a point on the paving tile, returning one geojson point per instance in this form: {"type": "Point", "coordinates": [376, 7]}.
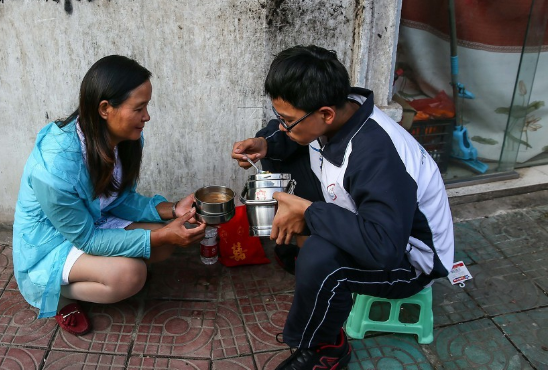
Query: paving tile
{"type": "Point", "coordinates": [529, 333]}
{"type": "Point", "coordinates": [6, 236]}
{"type": "Point", "coordinates": [21, 358]}
{"type": "Point", "coordinates": [184, 276]}
{"type": "Point", "coordinates": [177, 329]}
{"type": "Point", "coordinates": [451, 304]}
{"type": "Point", "coordinates": [113, 326]}
{"type": "Point", "coordinates": [471, 246]}
{"type": "Point", "coordinates": [270, 360]}
{"type": "Point", "coordinates": [387, 352]}
{"type": "Point", "coordinates": [534, 266]}
{"type": "Point", "coordinates": [226, 288]}
{"type": "Point", "coordinates": [230, 338]}
{"type": "Point", "coordinates": [153, 363]}
{"type": "Point", "coordinates": [262, 279]}
{"type": "Point", "coordinates": [264, 317]}
{"type": "Point", "coordinates": [239, 363]}
{"type": "Point", "coordinates": [514, 233]}
{"type": "Point", "coordinates": [12, 284]}
{"type": "Point", "coordinates": [539, 215]}
{"type": "Point", "coordinates": [250, 281]}
{"type": "Point", "coordinates": [473, 345]}
{"type": "Point", "coordinates": [19, 323]}
{"type": "Point", "coordinates": [6, 266]}
{"type": "Point", "coordinates": [63, 360]}
{"type": "Point", "coordinates": [502, 288]}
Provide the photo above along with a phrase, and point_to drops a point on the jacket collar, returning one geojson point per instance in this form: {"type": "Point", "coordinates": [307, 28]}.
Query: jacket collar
{"type": "Point", "coordinates": [335, 149]}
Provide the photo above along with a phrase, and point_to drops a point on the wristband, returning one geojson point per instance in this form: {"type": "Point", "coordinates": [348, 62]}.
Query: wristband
{"type": "Point", "coordinates": [173, 209]}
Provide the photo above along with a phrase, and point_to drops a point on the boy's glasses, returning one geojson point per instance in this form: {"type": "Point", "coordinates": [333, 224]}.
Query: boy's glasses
{"type": "Point", "coordinates": [285, 125]}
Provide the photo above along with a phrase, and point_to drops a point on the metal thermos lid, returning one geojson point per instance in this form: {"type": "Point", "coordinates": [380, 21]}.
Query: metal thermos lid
{"type": "Point", "coordinates": [269, 176]}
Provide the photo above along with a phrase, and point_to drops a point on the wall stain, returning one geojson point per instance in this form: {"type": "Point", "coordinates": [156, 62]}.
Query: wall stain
{"type": "Point", "coordinates": [67, 5]}
{"type": "Point", "coordinates": [359, 9]}
{"type": "Point", "coordinates": [282, 14]}
{"type": "Point", "coordinates": [277, 15]}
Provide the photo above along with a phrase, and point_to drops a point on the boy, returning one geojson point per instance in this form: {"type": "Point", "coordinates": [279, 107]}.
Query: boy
{"type": "Point", "coordinates": [378, 218]}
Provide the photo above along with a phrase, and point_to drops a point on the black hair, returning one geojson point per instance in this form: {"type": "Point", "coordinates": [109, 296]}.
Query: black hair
{"type": "Point", "coordinates": [308, 77]}
{"type": "Point", "coordinates": [111, 78]}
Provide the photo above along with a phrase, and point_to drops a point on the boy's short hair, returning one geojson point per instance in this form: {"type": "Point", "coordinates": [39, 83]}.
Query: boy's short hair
{"type": "Point", "coordinates": [308, 77]}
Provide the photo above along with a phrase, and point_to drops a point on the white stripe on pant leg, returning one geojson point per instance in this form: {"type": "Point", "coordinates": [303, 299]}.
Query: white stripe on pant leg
{"type": "Point", "coordinates": [357, 282]}
{"type": "Point", "coordinates": [352, 281]}
{"type": "Point", "coordinates": [327, 310]}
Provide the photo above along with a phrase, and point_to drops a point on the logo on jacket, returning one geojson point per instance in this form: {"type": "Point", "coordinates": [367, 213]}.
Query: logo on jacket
{"type": "Point", "coordinates": [331, 191]}
{"type": "Point", "coordinates": [423, 153]}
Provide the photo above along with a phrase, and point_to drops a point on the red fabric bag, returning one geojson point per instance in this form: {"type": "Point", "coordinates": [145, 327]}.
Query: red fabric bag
{"type": "Point", "coordinates": [236, 247]}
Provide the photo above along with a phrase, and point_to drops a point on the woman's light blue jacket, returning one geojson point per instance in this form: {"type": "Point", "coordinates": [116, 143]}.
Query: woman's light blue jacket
{"type": "Point", "coordinates": [56, 209]}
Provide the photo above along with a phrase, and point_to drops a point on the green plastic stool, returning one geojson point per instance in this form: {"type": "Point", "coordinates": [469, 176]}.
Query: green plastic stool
{"type": "Point", "coordinates": [359, 321]}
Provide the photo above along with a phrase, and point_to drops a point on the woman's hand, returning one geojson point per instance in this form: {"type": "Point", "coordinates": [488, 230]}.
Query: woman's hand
{"type": "Point", "coordinates": [253, 148]}
{"type": "Point", "coordinates": [289, 219]}
{"type": "Point", "coordinates": [184, 206]}
{"type": "Point", "coordinates": [176, 233]}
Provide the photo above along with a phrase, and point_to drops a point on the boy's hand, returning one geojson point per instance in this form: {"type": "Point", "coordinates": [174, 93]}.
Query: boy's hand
{"type": "Point", "coordinates": [253, 148]}
{"type": "Point", "coordinates": [289, 219]}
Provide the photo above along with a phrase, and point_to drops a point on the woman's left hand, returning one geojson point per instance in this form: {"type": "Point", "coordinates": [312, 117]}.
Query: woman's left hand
{"type": "Point", "coordinates": [184, 206]}
{"type": "Point", "coordinates": [289, 219]}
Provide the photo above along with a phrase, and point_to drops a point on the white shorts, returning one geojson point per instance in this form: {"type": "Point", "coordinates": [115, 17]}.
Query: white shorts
{"type": "Point", "coordinates": [111, 223]}
{"type": "Point", "coordinates": [71, 259]}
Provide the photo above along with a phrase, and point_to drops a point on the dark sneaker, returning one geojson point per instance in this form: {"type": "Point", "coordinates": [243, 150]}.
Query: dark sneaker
{"type": "Point", "coordinates": [286, 254]}
{"type": "Point", "coordinates": [327, 356]}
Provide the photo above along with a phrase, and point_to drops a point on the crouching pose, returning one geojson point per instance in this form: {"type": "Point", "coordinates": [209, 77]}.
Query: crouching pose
{"type": "Point", "coordinates": [81, 231]}
{"type": "Point", "coordinates": [369, 197]}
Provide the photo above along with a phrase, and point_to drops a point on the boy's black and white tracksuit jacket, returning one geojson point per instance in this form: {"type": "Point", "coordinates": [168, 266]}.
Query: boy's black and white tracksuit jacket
{"type": "Point", "coordinates": [384, 195]}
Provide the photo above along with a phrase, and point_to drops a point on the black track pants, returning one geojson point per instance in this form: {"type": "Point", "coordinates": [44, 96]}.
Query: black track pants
{"type": "Point", "coordinates": [326, 277]}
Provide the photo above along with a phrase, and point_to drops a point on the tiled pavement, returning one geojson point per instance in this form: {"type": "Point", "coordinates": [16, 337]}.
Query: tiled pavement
{"type": "Point", "coordinates": [192, 316]}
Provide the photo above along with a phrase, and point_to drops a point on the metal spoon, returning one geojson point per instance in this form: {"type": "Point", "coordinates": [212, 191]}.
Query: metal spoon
{"type": "Point", "coordinates": [253, 164]}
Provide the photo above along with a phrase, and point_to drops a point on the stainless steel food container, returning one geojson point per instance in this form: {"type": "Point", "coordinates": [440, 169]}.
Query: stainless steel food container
{"type": "Point", "coordinates": [257, 197]}
{"type": "Point", "coordinates": [215, 218]}
{"type": "Point", "coordinates": [263, 186]}
{"type": "Point", "coordinates": [260, 215]}
{"type": "Point", "coordinates": [268, 184]}
{"type": "Point", "coordinates": [214, 199]}
{"type": "Point", "coordinates": [214, 204]}
{"type": "Point", "coordinates": [263, 194]}
{"type": "Point", "coordinates": [269, 176]}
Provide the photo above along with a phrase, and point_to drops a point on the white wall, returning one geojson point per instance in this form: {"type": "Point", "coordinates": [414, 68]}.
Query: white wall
{"type": "Point", "coordinates": [208, 59]}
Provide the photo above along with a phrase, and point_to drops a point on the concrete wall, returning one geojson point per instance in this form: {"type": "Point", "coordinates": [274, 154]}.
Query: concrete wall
{"type": "Point", "coordinates": [208, 59]}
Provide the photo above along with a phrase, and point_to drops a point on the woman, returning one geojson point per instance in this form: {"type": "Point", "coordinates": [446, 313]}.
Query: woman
{"type": "Point", "coordinates": [81, 232]}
